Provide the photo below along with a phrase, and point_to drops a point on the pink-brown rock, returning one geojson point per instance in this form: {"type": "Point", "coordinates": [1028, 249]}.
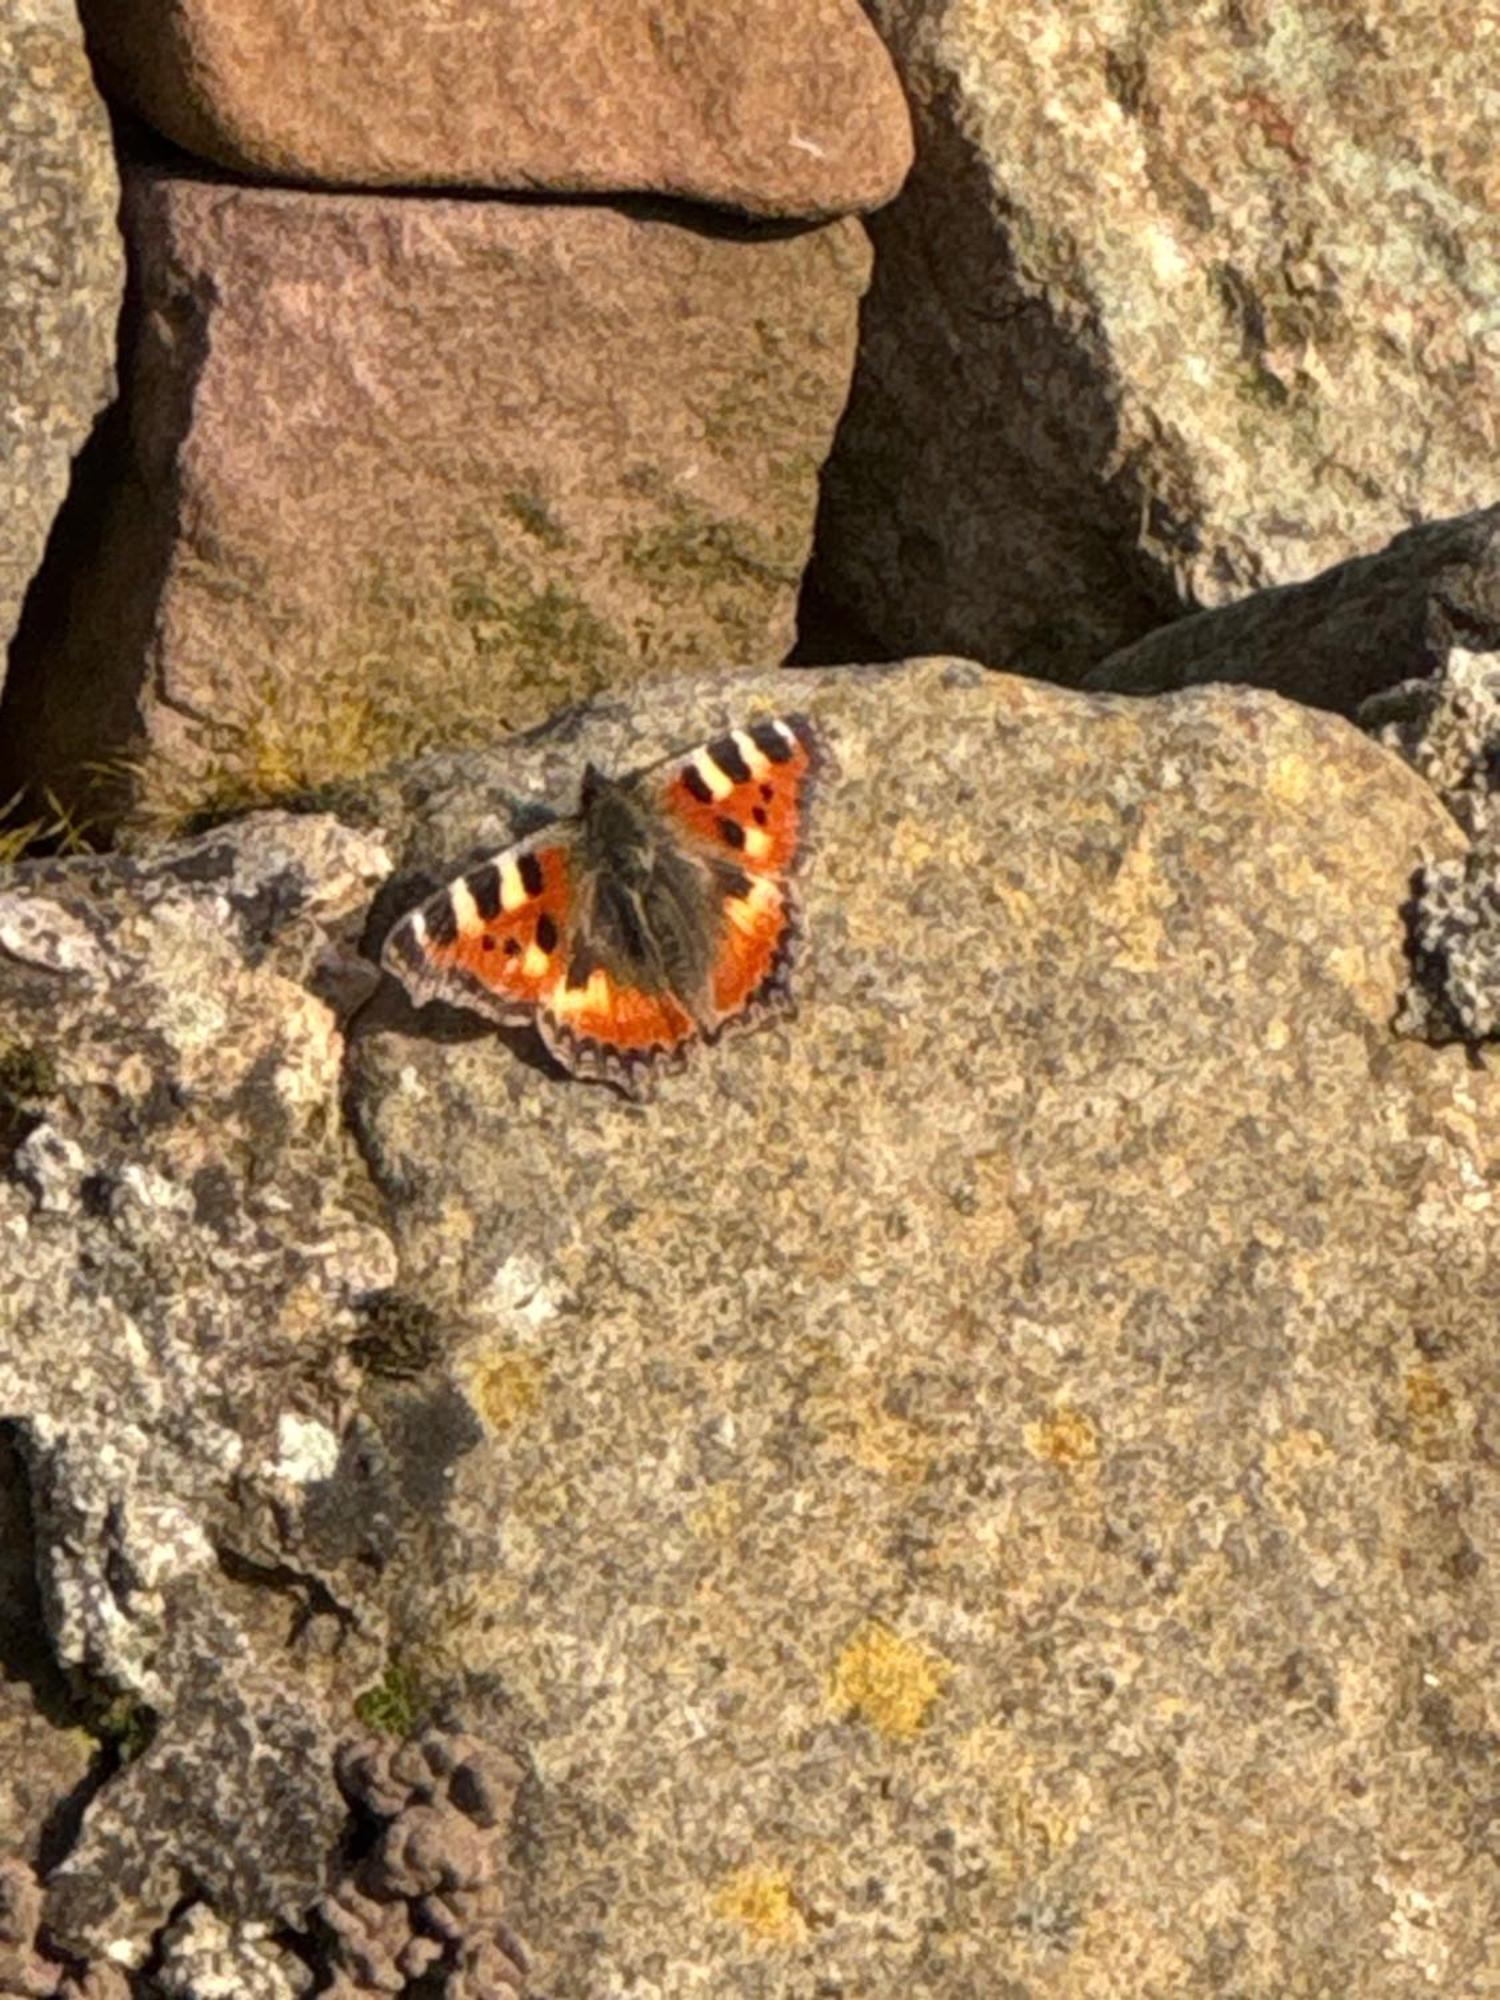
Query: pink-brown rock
{"type": "Point", "coordinates": [405, 472]}
{"type": "Point", "coordinates": [777, 107]}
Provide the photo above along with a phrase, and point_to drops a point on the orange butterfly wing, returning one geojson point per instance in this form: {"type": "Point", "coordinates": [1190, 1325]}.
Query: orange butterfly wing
{"type": "Point", "coordinates": [743, 799]}
{"type": "Point", "coordinates": [494, 939]}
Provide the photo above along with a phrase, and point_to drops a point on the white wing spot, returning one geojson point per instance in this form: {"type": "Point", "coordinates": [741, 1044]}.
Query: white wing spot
{"type": "Point", "coordinates": [716, 781]}
{"type": "Point", "coordinates": [512, 888]}
{"type": "Point", "coordinates": [465, 909]}
{"type": "Point", "coordinates": [753, 755]}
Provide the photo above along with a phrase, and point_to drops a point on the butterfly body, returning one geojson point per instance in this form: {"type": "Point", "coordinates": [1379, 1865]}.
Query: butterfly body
{"type": "Point", "coordinates": [662, 913]}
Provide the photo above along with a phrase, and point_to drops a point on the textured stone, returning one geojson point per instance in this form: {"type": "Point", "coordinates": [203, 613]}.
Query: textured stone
{"type": "Point", "coordinates": [776, 107]}
{"type": "Point", "coordinates": [186, 1237]}
{"type": "Point", "coordinates": [411, 471]}
{"type": "Point", "coordinates": [204, 1958]}
{"type": "Point", "coordinates": [43, 1758]}
{"type": "Point", "coordinates": [1341, 637]}
{"type": "Point", "coordinates": [1455, 948]}
{"type": "Point", "coordinates": [27, 1971]}
{"type": "Point", "coordinates": [984, 1487]}
{"type": "Point", "coordinates": [1179, 302]}
{"type": "Point", "coordinates": [981, 1488]}
{"type": "Point", "coordinates": [429, 1897]}
{"type": "Point", "coordinates": [61, 275]}
{"type": "Point", "coordinates": [1448, 727]}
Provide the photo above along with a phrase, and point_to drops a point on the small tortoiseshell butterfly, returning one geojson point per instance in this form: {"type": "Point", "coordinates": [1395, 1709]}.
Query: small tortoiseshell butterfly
{"type": "Point", "coordinates": [662, 913]}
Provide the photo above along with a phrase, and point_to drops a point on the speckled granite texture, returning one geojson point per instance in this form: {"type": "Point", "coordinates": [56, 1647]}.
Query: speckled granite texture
{"type": "Point", "coordinates": [184, 1247]}
{"type": "Point", "coordinates": [62, 269]}
{"type": "Point", "coordinates": [980, 1490]}
{"type": "Point", "coordinates": [983, 1488]}
{"type": "Point", "coordinates": [1177, 302]}
{"type": "Point", "coordinates": [786, 108]}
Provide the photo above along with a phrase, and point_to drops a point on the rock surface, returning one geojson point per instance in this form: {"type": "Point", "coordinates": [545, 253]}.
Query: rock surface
{"type": "Point", "coordinates": [1178, 303]}
{"type": "Point", "coordinates": [983, 1487]}
{"type": "Point", "coordinates": [427, 1897]}
{"type": "Point", "coordinates": [1341, 637]}
{"type": "Point", "coordinates": [184, 1241]}
{"type": "Point", "coordinates": [45, 1758]}
{"type": "Point", "coordinates": [978, 1489]}
{"type": "Point", "coordinates": [403, 471]}
{"type": "Point", "coordinates": [1447, 726]}
{"type": "Point", "coordinates": [775, 107]}
{"type": "Point", "coordinates": [61, 275]}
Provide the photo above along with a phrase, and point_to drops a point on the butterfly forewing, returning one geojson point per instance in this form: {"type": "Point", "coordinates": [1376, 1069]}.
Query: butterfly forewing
{"type": "Point", "coordinates": [495, 939]}
{"type": "Point", "coordinates": [743, 799]}
{"type": "Point", "coordinates": [745, 794]}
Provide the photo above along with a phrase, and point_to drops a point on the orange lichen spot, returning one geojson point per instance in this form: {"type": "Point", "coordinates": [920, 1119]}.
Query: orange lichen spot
{"type": "Point", "coordinates": [507, 1387]}
{"type": "Point", "coordinates": [887, 1681]}
{"type": "Point", "coordinates": [762, 1902]}
{"type": "Point", "coordinates": [1065, 1437]}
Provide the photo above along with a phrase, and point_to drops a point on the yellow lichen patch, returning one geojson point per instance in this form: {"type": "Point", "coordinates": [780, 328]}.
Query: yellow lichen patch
{"type": "Point", "coordinates": [762, 1902]}
{"type": "Point", "coordinates": [1435, 1418]}
{"type": "Point", "coordinates": [507, 1387]}
{"type": "Point", "coordinates": [1065, 1437]}
{"type": "Point", "coordinates": [718, 1517]}
{"type": "Point", "coordinates": [886, 1681]}
{"type": "Point", "coordinates": [1426, 1397]}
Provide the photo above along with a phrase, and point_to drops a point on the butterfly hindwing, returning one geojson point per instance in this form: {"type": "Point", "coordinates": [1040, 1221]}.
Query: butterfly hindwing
{"type": "Point", "coordinates": [601, 1027]}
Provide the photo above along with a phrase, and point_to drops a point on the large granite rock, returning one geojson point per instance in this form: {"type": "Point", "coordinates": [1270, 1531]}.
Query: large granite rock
{"type": "Point", "coordinates": [410, 471]}
{"type": "Point", "coordinates": [777, 107]}
{"type": "Point", "coordinates": [61, 275]}
{"type": "Point", "coordinates": [1179, 302]}
{"type": "Point", "coordinates": [981, 1489]}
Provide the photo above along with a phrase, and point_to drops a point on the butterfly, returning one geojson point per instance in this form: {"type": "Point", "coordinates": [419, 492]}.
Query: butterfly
{"type": "Point", "coordinates": [662, 914]}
